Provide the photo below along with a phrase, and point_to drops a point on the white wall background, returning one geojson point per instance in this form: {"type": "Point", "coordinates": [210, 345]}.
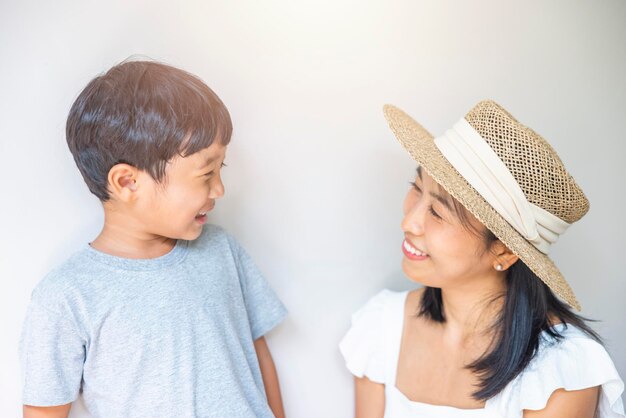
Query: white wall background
{"type": "Point", "coordinates": [315, 179]}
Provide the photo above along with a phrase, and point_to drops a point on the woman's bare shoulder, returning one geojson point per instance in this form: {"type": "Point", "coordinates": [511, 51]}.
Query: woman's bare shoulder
{"type": "Point", "coordinates": [412, 309]}
{"type": "Point", "coordinates": [413, 300]}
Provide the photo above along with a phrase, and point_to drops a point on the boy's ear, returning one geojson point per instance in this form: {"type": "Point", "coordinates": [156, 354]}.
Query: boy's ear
{"type": "Point", "coordinates": [503, 256]}
{"type": "Point", "coordinates": [122, 180]}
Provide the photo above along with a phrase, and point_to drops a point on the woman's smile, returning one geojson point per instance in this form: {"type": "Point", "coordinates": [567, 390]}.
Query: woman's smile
{"type": "Point", "coordinates": [411, 252]}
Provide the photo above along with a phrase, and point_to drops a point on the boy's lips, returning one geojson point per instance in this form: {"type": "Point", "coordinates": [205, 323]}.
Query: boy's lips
{"type": "Point", "coordinates": [412, 252]}
{"type": "Point", "coordinates": [201, 216]}
{"type": "Point", "coordinates": [207, 210]}
{"type": "Point", "coordinates": [201, 219]}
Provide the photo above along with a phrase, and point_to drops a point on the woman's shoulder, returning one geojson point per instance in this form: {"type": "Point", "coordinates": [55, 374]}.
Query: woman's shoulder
{"type": "Point", "coordinates": [381, 301]}
{"type": "Point", "coordinates": [566, 346]}
{"type": "Point", "coordinates": [366, 345]}
{"type": "Point", "coordinates": [573, 361]}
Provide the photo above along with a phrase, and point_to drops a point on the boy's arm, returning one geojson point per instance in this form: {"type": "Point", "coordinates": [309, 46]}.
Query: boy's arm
{"type": "Point", "coordinates": [61, 411]}
{"type": "Point", "coordinates": [270, 377]}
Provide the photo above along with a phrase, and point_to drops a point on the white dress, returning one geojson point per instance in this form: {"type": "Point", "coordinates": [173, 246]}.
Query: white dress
{"type": "Point", "coordinates": [372, 346]}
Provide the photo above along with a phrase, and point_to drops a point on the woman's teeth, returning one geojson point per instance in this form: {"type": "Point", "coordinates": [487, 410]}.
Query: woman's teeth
{"type": "Point", "coordinates": [412, 249]}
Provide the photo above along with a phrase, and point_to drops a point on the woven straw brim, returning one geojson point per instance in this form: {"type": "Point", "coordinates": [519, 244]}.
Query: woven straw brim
{"type": "Point", "coordinates": [420, 145]}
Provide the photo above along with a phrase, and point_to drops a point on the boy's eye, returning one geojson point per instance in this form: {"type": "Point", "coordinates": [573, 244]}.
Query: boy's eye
{"type": "Point", "coordinates": [415, 187]}
{"type": "Point", "coordinates": [210, 173]}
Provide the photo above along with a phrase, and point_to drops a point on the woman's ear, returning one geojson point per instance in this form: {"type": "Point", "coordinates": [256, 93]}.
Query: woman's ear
{"type": "Point", "coordinates": [122, 182]}
{"type": "Point", "coordinates": [503, 257]}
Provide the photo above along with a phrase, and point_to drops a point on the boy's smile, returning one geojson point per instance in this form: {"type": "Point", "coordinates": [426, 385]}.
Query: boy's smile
{"type": "Point", "coordinates": [202, 216]}
{"type": "Point", "coordinates": [178, 207]}
{"type": "Point", "coordinates": [146, 217]}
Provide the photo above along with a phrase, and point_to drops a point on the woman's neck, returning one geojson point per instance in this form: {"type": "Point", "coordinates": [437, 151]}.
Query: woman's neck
{"type": "Point", "coordinates": [471, 310]}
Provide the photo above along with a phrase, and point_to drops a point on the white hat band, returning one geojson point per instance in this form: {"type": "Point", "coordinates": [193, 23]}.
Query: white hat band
{"type": "Point", "coordinates": [474, 159]}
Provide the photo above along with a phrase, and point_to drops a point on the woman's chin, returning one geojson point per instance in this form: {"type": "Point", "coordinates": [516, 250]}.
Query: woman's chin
{"type": "Point", "coordinates": [412, 271]}
{"type": "Point", "coordinates": [419, 277]}
{"type": "Point", "coordinates": [415, 277]}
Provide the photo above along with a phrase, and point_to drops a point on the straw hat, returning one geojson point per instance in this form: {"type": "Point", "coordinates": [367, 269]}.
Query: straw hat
{"type": "Point", "coordinates": [527, 198]}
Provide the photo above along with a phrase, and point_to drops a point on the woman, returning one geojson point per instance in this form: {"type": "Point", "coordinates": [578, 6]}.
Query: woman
{"type": "Point", "coordinates": [486, 336]}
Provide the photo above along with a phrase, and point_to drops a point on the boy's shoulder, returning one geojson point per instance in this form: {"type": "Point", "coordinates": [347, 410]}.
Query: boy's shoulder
{"type": "Point", "coordinates": [212, 232]}
{"type": "Point", "coordinates": [215, 236]}
{"type": "Point", "coordinates": [64, 277]}
{"type": "Point", "coordinates": [83, 267]}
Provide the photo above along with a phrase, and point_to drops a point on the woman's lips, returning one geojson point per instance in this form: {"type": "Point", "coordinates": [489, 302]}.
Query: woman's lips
{"type": "Point", "coordinates": [411, 252]}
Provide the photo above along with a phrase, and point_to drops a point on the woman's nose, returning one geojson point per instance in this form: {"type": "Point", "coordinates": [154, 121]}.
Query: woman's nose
{"type": "Point", "coordinates": [413, 221]}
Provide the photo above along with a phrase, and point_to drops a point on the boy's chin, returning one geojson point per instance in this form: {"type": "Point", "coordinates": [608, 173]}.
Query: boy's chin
{"type": "Point", "coordinates": [189, 235]}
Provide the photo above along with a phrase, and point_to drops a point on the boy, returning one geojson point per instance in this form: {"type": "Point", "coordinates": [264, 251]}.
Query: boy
{"type": "Point", "coordinates": [161, 315]}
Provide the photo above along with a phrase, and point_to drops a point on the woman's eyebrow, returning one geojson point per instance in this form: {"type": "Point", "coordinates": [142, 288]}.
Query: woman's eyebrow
{"type": "Point", "coordinates": [441, 199]}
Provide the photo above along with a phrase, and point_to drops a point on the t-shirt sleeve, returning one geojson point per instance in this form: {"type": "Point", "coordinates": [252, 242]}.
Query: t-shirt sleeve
{"type": "Point", "coordinates": [52, 354]}
{"type": "Point", "coordinates": [264, 308]}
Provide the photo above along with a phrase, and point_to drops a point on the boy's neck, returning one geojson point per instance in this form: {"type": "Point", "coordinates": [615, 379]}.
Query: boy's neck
{"type": "Point", "coordinates": [124, 239]}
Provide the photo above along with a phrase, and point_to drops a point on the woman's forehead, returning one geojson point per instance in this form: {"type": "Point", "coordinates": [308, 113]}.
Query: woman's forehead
{"type": "Point", "coordinates": [422, 175]}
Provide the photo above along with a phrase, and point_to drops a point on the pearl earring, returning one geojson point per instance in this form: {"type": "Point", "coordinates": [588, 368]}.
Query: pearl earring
{"type": "Point", "coordinates": [499, 267]}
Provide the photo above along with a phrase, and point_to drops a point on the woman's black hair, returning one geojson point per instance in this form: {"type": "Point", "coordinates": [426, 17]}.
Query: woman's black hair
{"type": "Point", "coordinates": [529, 312]}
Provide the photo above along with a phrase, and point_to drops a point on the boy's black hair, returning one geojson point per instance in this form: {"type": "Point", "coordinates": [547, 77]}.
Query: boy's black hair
{"type": "Point", "coordinates": [142, 113]}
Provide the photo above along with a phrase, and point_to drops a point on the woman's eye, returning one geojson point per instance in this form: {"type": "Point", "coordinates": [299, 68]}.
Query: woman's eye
{"type": "Point", "coordinates": [223, 165]}
{"type": "Point", "coordinates": [432, 212]}
{"type": "Point", "coordinates": [415, 187]}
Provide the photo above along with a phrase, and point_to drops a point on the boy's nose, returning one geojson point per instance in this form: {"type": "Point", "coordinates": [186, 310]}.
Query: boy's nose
{"type": "Point", "coordinates": [217, 188]}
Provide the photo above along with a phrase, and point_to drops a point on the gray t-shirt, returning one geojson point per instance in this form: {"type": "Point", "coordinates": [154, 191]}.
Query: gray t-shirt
{"type": "Point", "coordinates": [165, 337]}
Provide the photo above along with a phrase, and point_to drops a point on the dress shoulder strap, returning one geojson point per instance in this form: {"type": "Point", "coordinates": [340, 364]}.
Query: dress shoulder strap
{"type": "Point", "coordinates": [394, 320]}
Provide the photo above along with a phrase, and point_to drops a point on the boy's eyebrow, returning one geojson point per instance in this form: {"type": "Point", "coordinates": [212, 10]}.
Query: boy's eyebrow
{"type": "Point", "coordinates": [207, 163]}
